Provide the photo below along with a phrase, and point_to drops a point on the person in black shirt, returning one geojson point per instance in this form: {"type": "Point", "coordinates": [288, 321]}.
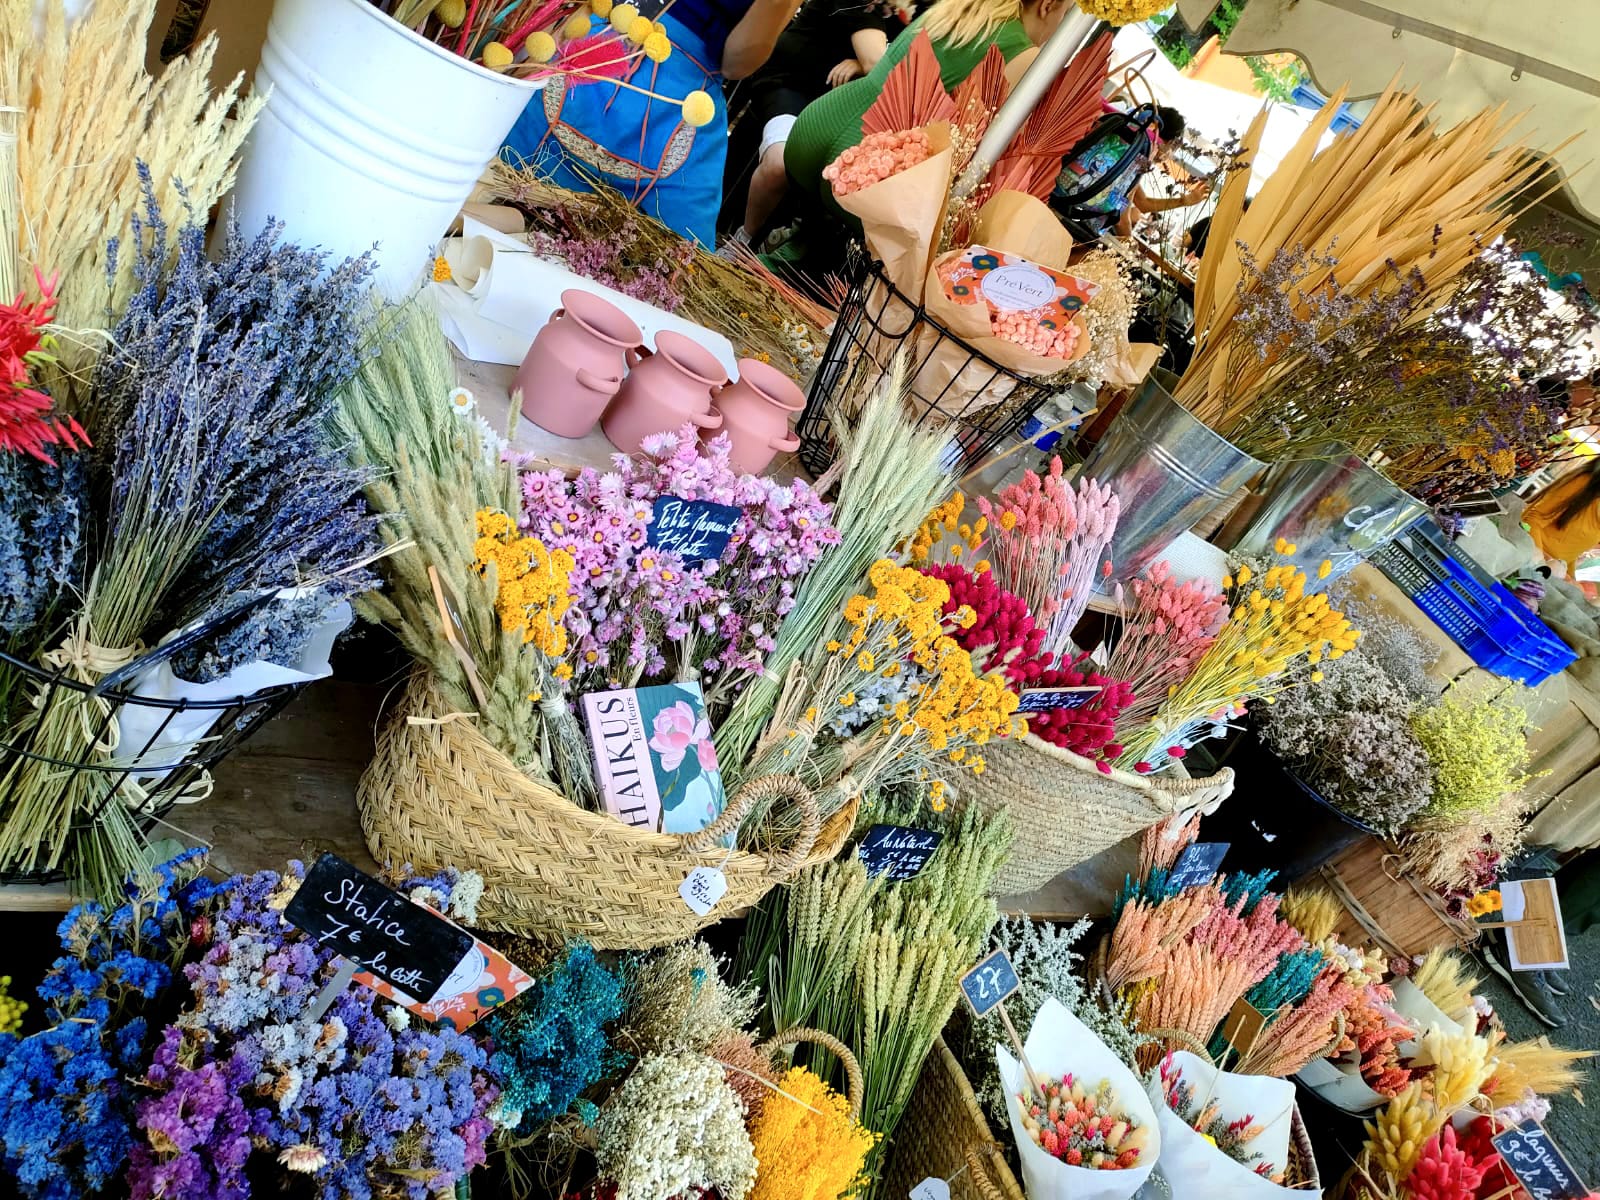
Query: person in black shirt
{"type": "Point", "coordinates": [828, 43]}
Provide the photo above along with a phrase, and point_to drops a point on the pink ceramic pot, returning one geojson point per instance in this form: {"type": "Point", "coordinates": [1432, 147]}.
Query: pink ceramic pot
{"type": "Point", "coordinates": [576, 364]}
{"type": "Point", "coordinates": [667, 388]}
{"type": "Point", "coordinates": [755, 415]}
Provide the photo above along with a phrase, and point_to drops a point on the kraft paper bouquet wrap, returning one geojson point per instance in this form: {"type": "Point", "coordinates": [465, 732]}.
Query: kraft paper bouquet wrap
{"type": "Point", "coordinates": [1059, 1045]}
{"type": "Point", "coordinates": [1204, 1112]}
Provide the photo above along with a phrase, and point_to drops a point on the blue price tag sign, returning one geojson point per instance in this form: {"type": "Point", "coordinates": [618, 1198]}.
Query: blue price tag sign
{"type": "Point", "coordinates": [1197, 865]}
{"type": "Point", "coordinates": [696, 529]}
{"type": "Point", "coordinates": [989, 983]}
{"type": "Point", "coordinates": [1541, 1168]}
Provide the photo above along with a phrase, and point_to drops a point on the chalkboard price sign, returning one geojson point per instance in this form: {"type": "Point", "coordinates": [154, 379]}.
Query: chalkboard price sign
{"type": "Point", "coordinates": [1197, 865]}
{"type": "Point", "coordinates": [898, 852]}
{"type": "Point", "coordinates": [1533, 1158]}
{"type": "Point", "coordinates": [989, 983]}
{"type": "Point", "coordinates": [695, 529]}
{"type": "Point", "coordinates": [377, 928]}
{"type": "Point", "coordinates": [1043, 700]}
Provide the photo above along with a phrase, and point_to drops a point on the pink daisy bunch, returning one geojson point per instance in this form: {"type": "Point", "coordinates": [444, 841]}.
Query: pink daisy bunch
{"type": "Point", "coordinates": [640, 613]}
{"type": "Point", "coordinates": [876, 157]}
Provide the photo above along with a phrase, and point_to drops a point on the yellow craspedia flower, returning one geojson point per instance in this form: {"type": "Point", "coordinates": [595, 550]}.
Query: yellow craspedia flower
{"type": "Point", "coordinates": [602, 8]}
{"type": "Point", "coordinates": [657, 47]}
{"type": "Point", "coordinates": [639, 29]}
{"type": "Point", "coordinates": [497, 55]}
{"type": "Point", "coordinates": [577, 25]}
{"type": "Point", "coordinates": [441, 270]}
{"type": "Point", "coordinates": [451, 12]}
{"type": "Point", "coordinates": [541, 47]}
{"type": "Point", "coordinates": [698, 109]}
{"type": "Point", "coordinates": [1121, 12]}
{"type": "Point", "coordinates": [622, 16]}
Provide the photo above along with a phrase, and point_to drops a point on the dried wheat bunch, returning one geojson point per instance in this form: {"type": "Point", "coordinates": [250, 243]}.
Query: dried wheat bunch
{"type": "Point", "coordinates": [1446, 979]}
{"type": "Point", "coordinates": [1312, 909]}
{"type": "Point", "coordinates": [92, 114]}
{"type": "Point", "coordinates": [1534, 1066]}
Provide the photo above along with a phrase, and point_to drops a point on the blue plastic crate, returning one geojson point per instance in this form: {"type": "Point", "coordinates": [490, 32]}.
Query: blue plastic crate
{"type": "Point", "coordinates": [1494, 628]}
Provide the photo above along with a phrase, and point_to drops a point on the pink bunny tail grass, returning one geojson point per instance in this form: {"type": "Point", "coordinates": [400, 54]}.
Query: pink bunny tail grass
{"type": "Point", "coordinates": [598, 56]}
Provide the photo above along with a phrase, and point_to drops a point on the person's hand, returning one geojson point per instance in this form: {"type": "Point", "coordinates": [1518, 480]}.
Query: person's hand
{"type": "Point", "coordinates": [844, 72]}
{"type": "Point", "coordinates": [1196, 191]}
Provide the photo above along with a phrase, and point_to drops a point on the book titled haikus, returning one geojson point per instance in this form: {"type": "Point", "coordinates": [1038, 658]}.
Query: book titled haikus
{"type": "Point", "coordinates": [655, 765]}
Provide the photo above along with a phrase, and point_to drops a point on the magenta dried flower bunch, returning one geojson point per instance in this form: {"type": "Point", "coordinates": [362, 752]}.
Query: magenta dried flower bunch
{"type": "Point", "coordinates": [1048, 543]}
{"type": "Point", "coordinates": [642, 614]}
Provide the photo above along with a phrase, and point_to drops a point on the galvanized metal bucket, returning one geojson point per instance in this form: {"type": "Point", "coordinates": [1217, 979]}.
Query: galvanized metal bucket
{"type": "Point", "coordinates": [1167, 470]}
{"type": "Point", "coordinates": [1334, 508]}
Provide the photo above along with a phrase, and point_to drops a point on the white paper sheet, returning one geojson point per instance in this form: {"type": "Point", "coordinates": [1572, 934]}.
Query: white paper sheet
{"type": "Point", "coordinates": [1057, 1044]}
{"type": "Point", "coordinates": [501, 294]}
{"type": "Point", "coordinates": [1196, 1169]}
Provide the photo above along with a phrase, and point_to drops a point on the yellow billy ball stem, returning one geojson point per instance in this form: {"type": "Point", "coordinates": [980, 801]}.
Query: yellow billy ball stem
{"type": "Point", "coordinates": [541, 47]}
{"type": "Point", "coordinates": [497, 56]}
{"type": "Point", "coordinates": [698, 109]}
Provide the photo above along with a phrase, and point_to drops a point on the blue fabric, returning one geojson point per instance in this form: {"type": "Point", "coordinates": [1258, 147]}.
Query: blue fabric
{"type": "Point", "coordinates": [687, 199]}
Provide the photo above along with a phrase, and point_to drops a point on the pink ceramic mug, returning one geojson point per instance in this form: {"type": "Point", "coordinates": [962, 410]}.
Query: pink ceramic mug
{"type": "Point", "coordinates": [755, 415]}
{"type": "Point", "coordinates": [577, 363]}
{"type": "Point", "coordinates": [665, 389]}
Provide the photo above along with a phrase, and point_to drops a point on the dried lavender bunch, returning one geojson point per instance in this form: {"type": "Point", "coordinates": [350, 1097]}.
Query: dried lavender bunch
{"type": "Point", "coordinates": [42, 511]}
{"type": "Point", "coordinates": [278, 633]}
{"type": "Point", "coordinates": [217, 396]}
{"type": "Point", "coordinates": [225, 374]}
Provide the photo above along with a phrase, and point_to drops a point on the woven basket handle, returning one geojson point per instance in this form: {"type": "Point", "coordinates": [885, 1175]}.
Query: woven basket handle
{"type": "Point", "coordinates": [769, 789]}
{"type": "Point", "coordinates": [978, 1172]}
{"type": "Point", "coordinates": [855, 1083]}
{"type": "Point", "coordinates": [1190, 1043]}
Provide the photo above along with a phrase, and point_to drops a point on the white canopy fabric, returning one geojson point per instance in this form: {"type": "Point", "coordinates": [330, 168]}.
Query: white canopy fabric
{"type": "Point", "coordinates": [1462, 55]}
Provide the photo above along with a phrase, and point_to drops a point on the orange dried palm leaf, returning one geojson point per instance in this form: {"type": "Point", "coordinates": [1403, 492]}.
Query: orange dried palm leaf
{"type": "Point", "coordinates": [981, 93]}
{"type": "Point", "coordinates": [1064, 114]}
{"type": "Point", "coordinates": [913, 95]}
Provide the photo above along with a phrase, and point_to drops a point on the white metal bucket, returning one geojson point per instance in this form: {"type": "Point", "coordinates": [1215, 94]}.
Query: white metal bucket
{"type": "Point", "coordinates": [371, 134]}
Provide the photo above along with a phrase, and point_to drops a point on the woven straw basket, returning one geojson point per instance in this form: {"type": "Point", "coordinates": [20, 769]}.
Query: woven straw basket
{"type": "Point", "coordinates": [1065, 809]}
{"type": "Point", "coordinates": [438, 794]}
{"type": "Point", "coordinates": [965, 1153]}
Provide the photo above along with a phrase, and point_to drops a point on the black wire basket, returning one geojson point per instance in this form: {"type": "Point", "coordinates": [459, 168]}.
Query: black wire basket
{"type": "Point", "coordinates": [177, 741]}
{"type": "Point", "coordinates": [950, 383]}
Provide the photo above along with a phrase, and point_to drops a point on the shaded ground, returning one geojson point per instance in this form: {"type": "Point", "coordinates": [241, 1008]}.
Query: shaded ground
{"type": "Point", "coordinates": [1573, 1123]}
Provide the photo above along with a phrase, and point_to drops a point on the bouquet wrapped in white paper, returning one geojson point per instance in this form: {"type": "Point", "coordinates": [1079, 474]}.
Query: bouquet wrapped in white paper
{"type": "Point", "coordinates": [1201, 1110]}
{"type": "Point", "coordinates": [1057, 1046]}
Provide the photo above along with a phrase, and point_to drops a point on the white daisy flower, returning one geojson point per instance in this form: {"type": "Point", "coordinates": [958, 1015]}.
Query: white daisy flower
{"type": "Point", "coordinates": [462, 401]}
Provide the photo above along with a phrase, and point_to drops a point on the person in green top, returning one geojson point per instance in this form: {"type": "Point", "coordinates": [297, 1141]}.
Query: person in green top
{"type": "Point", "coordinates": [961, 32]}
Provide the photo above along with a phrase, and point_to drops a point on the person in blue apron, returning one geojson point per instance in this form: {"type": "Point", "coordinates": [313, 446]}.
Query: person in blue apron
{"type": "Point", "coordinates": [641, 144]}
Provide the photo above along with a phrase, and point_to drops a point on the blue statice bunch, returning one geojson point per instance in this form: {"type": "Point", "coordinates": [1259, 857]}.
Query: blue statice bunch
{"type": "Point", "coordinates": [553, 1044]}
{"type": "Point", "coordinates": [42, 515]}
{"type": "Point", "coordinates": [361, 1102]}
{"type": "Point", "coordinates": [65, 1100]}
{"type": "Point", "coordinates": [1250, 885]}
{"type": "Point", "coordinates": [220, 388]}
{"type": "Point", "coordinates": [1289, 981]}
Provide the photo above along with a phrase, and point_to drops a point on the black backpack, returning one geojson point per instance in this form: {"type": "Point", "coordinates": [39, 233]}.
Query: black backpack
{"type": "Point", "coordinates": [1087, 174]}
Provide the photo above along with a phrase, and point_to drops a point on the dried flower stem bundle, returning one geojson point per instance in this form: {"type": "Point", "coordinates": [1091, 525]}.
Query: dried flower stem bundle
{"type": "Point", "coordinates": [1534, 1066]}
{"type": "Point", "coordinates": [1399, 198]}
{"type": "Point", "coordinates": [92, 116]}
{"type": "Point", "coordinates": [1445, 979]}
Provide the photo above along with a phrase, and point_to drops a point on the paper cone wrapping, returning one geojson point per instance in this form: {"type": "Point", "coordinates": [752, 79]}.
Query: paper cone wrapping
{"type": "Point", "coordinates": [1195, 1168]}
{"type": "Point", "coordinates": [901, 215]}
{"type": "Point", "coordinates": [1012, 223]}
{"type": "Point", "coordinates": [1059, 1044]}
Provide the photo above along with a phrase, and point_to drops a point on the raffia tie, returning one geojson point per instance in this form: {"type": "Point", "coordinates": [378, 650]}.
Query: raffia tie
{"type": "Point", "coordinates": [86, 662]}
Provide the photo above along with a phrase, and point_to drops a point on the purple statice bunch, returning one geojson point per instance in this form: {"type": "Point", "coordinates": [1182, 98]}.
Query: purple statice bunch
{"type": "Point", "coordinates": [218, 395]}
{"type": "Point", "coordinates": [43, 508]}
{"type": "Point", "coordinates": [66, 1105]}
{"type": "Point", "coordinates": [551, 1044]}
{"type": "Point", "coordinates": [640, 612]}
{"type": "Point", "coordinates": [360, 1101]}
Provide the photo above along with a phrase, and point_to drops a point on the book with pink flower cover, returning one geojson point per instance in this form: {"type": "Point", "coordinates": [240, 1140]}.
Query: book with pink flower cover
{"type": "Point", "coordinates": [655, 764]}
